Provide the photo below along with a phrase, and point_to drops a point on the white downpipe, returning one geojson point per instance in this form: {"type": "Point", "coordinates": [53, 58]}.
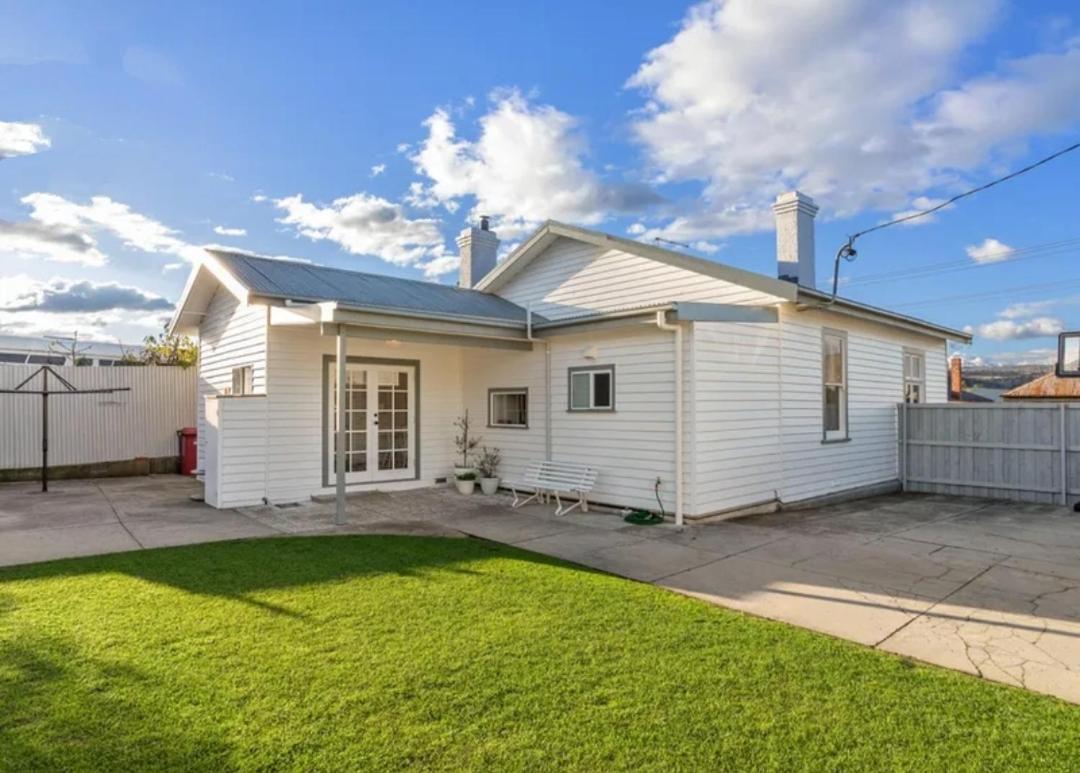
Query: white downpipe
{"type": "Point", "coordinates": [663, 324]}
{"type": "Point", "coordinates": [339, 460]}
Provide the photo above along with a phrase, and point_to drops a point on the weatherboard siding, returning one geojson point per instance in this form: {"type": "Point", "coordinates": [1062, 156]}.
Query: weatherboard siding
{"type": "Point", "coordinates": [231, 335]}
{"type": "Point", "coordinates": [295, 455]}
{"type": "Point", "coordinates": [875, 387]}
{"type": "Point", "coordinates": [572, 278]}
{"type": "Point", "coordinates": [737, 422]}
{"type": "Point", "coordinates": [486, 369]}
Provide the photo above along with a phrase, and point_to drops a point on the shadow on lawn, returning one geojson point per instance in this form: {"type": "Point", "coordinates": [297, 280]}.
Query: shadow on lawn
{"type": "Point", "coordinates": [64, 710]}
{"type": "Point", "coordinates": [236, 570]}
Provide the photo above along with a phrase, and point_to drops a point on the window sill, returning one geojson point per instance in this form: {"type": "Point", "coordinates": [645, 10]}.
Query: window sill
{"type": "Point", "coordinates": [832, 441]}
{"type": "Point", "coordinates": [507, 426]}
{"type": "Point", "coordinates": [590, 410]}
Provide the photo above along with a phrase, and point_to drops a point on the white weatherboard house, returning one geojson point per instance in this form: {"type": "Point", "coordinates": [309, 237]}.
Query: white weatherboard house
{"type": "Point", "coordinates": [736, 390]}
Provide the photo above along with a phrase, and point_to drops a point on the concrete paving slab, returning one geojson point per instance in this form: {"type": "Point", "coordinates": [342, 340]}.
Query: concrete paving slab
{"type": "Point", "coordinates": [510, 527]}
{"type": "Point", "coordinates": [1008, 625]}
{"type": "Point", "coordinates": [857, 611]}
{"type": "Point", "coordinates": [164, 532]}
{"type": "Point", "coordinates": [647, 560]}
{"type": "Point", "coordinates": [724, 538]}
{"type": "Point", "coordinates": [1025, 543]}
{"type": "Point", "coordinates": [579, 544]}
{"type": "Point", "coordinates": [30, 546]}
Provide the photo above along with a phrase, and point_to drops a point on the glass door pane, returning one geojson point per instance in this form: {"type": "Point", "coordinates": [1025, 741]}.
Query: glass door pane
{"type": "Point", "coordinates": [394, 452]}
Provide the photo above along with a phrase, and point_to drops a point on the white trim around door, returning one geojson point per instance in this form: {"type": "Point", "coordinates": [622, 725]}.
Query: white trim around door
{"type": "Point", "coordinates": [380, 422]}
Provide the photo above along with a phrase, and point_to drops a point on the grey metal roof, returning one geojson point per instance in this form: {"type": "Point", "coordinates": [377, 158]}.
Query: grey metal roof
{"type": "Point", "coordinates": [355, 289]}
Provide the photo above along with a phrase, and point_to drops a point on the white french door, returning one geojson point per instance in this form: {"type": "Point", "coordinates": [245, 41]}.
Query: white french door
{"type": "Point", "coordinates": [380, 423]}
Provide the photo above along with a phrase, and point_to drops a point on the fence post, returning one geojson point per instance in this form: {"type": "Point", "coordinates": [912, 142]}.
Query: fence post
{"type": "Point", "coordinates": [903, 445]}
{"type": "Point", "coordinates": [1064, 454]}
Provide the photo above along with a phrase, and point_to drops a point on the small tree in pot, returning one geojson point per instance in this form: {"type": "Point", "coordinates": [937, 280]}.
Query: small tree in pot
{"type": "Point", "coordinates": [488, 468]}
{"type": "Point", "coordinates": [465, 482]}
{"type": "Point", "coordinates": [465, 445]}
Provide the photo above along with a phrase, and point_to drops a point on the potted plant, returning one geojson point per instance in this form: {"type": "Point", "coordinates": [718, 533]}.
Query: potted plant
{"type": "Point", "coordinates": [465, 444]}
{"type": "Point", "coordinates": [487, 467]}
{"type": "Point", "coordinates": [465, 482]}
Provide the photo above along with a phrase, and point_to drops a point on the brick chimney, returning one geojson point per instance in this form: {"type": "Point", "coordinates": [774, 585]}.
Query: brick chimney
{"type": "Point", "coordinates": [956, 377]}
{"type": "Point", "coordinates": [795, 213]}
{"type": "Point", "coordinates": [478, 247]}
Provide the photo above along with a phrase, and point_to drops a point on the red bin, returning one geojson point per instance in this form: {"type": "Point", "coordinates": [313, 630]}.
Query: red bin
{"type": "Point", "coordinates": [188, 457]}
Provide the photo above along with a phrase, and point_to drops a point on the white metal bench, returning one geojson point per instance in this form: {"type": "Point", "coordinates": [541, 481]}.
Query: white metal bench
{"type": "Point", "coordinates": [548, 478]}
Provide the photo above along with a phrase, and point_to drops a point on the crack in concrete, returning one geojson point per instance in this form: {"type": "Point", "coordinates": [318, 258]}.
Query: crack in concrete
{"type": "Point", "coordinates": [116, 513]}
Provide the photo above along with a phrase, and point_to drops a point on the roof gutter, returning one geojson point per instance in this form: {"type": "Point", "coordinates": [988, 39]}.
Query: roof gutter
{"type": "Point", "coordinates": [816, 300]}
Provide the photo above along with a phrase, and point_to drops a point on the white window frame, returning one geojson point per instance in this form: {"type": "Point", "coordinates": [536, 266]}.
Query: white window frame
{"type": "Point", "coordinates": [497, 391]}
{"type": "Point", "coordinates": [1064, 349]}
{"type": "Point", "coordinates": [841, 433]}
{"type": "Point", "coordinates": [246, 374]}
{"type": "Point", "coordinates": [591, 372]}
{"type": "Point", "coordinates": [919, 381]}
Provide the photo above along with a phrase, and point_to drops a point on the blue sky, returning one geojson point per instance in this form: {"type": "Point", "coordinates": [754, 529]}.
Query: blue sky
{"type": "Point", "coordinates": [367, 135]}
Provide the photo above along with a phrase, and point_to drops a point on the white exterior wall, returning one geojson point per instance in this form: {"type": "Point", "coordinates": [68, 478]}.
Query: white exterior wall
{"type": "Point", "coordinates": [758, 395]}
{"type": "Point", "coordinates": [736, 396]}
{"type": "Point", "coordinates": [875, 387]}
{"type": "Point", "coordinates": [295, 389]}
{"type": "Point", "coordinates": [486, 369]}
{"type": "Point", "coordinates": [572, 278]}
{"type": "Point", "coordinates": [235, 448]}
{"type": "Point", "coordinates": [231, 335]}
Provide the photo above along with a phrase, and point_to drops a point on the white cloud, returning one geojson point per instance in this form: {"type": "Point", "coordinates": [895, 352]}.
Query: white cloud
{"type": "Point", "coordinates": [21, 139]}
{"type": "Point", "coordinates": [1033, 308]}
{"type": "Point", "coordinates": [403, 147]}
{"type": "Point", "coordinates": [365, 224]}
{"type": "Point", "coordinates": [525, 166]}
{"type": "Point", "coordinates": [1041, 356]}
{"type": "Point", "coordinates": [60, 306]}
{"type": "Point", "coordinates": [63, 245]}
{"type": "Point", "coordinates": [870, 120]}
{"type": "Point", "coordinates": [221, 230]}
{"type": "Point", "coordinates": [920, 204]}
{"type": "Point", "coordinates": [56, 218]}
{"type": "Point", "coordinates": [989, 251]}
{"type": "Point", "coordinates": [378, 169]}
{"type": "Point", "coordinates": [259, 198]}
{"type": "Point", "coordinates": [443, 264]}
{"type": "Point", "coordinates": [1011, 330]}
{"type": "Point", "coordinates": [60, 295]}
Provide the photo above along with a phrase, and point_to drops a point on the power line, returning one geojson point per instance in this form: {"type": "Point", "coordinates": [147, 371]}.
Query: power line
{"type": "Point", "coordinates": [847, 252]}
{"type": "Point", "coordinates": [1001, 258]}
{"type": "Point", "coordinates": [992, 293]}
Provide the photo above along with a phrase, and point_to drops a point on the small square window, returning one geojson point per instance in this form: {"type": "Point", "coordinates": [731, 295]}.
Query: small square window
{"type": "Point", "coordinates": [508, 408]}
{"type": "Point", "coordinates": [592, 388]}
{"type": "Point", "coordinates": [243, 380]}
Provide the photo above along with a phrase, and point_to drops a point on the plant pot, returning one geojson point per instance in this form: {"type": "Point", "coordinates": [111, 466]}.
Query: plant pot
{"type": "Point", "coordinates": [460, 470]}
{"type": "Point", "coordinates": [465, 486]}
{"type": "Point", "coordinates": [489, 485]}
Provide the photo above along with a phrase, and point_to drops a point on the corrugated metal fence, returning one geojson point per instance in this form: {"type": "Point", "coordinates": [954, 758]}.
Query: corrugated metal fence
{"type": "Point", "coordinates": [1025, 451]}
{"type": "Point", "coordinates": [87, 429]}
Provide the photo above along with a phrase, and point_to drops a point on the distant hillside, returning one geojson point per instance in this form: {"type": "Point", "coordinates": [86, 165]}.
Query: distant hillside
{"type": "Point", "coordinates": [1003, 376]}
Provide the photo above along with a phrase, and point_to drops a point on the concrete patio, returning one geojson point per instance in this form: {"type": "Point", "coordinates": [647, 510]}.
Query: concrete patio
{"type": "Point", "coordinates": [990, 588]}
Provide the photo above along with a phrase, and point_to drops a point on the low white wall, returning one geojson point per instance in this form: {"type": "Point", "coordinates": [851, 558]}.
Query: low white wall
{"type": "Point", "coordinates": [94, 428]}
{"type": "Point", "coordinates": [235, 447]}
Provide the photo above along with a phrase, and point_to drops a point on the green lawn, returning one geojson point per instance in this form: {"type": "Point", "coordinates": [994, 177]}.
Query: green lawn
{"type": "Point", "coordinates": [340, 653]}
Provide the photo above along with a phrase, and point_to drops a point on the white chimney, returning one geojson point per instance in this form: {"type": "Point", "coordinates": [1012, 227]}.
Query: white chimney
{"type": "Point", "coordinates": [478, 248]}
{"type": "Point", "coordinates": [795, 237]}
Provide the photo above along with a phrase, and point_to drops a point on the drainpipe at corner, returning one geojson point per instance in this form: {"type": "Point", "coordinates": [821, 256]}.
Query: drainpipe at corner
{"type": "Point", "coordinates": [663, 324]}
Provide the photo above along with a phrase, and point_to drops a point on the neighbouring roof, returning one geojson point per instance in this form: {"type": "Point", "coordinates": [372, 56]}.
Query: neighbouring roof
{"type": "Point", "coordinates": [31, 344]}
{"type": "Point", "coordinates": [293, 280]}
{"type": "Point", "coordinates": [1048, 387]}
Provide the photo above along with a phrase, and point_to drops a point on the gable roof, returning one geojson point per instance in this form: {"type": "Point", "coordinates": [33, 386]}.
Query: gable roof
{"type": "Point", "coordinates": [1048, 387]}
{"type": "Point", "coordinates": [551, 230]}
{"type": "Point", "coordinates": [286, 280]}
